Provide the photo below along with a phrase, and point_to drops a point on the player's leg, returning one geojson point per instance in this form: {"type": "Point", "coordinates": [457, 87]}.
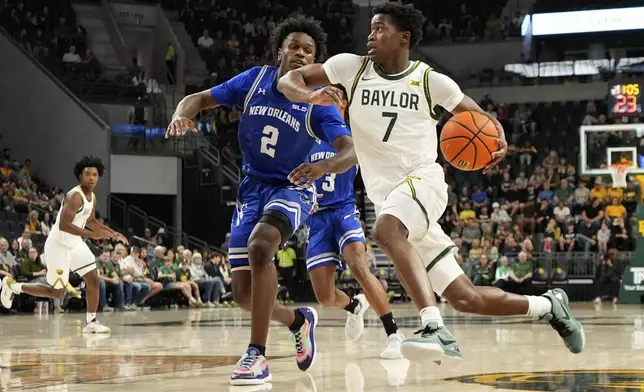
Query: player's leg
{"type": "Point", "coordinates": [405, 214]}
{"type": "Point", "coordinates": [463, 296]}
{"type": "Point", "coordinates": [241, 293]}
{"type": "Point", "coordinates": [57, 277]}
{"type": "Point", "coordinates": [82, 262]}
{"type": "Point", "coordinates": [356, 258]}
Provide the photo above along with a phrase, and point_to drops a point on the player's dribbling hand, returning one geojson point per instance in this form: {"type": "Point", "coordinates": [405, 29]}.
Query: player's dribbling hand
{"type": "Point", "coordinates": [307, 173]}
{"type": "Point", "coordinates": [498, 155]}
{"type": "Point", "coordinates": [118, 237]}
{"type": "Point", "coordinates": [179, 127]}
{"type": "Point", "coordinates": [328, 96]}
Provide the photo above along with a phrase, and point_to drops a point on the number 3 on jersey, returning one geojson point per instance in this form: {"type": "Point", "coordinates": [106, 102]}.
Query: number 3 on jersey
{"type": "Point", "coordinates": [392, 121]}
{"type": "Point", "coordinates": [328, 185]}
{"type": "Point", "coordinates": [269, 140]}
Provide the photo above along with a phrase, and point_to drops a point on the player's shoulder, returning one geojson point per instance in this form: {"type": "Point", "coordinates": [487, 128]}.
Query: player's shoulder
{"type": "Point", "coordinates": [347, 58]}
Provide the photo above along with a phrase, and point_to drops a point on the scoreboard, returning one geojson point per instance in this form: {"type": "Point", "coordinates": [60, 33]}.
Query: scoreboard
{"type": "Point", "coordinates": [625, 99]}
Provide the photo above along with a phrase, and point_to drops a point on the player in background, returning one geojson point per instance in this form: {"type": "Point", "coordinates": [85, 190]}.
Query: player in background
{"type": "Point", "coordinates": [65, 250]}
{"type": "Point", "coordinates": [393, 121]}
{"type": "Point", "coordinates": [335, 230]}
{"type": "Point", "coordinates": [275, 136]}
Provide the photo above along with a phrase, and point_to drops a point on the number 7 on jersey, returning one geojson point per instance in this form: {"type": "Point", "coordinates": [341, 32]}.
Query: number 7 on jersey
{"type": "Point", "coordinates": [392, 121]}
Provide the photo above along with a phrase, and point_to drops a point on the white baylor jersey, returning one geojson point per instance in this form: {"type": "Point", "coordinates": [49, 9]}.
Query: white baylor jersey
{"type": "Point", "coordinates": [82, 215]}
{"type": "Point", "coordinates": [393, 118]}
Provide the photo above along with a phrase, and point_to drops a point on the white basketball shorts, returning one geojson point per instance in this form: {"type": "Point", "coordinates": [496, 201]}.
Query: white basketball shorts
{"type": "Point", "coordinates": [61, 259]}
{"type": "Point", "coordinates": [419, 202]}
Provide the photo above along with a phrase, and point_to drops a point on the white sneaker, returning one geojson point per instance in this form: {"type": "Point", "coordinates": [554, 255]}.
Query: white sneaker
{"type": "Point", "coordinates": [355, 321]}
{"type": "Point", "coordinates": [6, 296]}
{"type": "Point", "coordinates": [95, 327]}
{"type": "Point", "coordinates": [393, 347]}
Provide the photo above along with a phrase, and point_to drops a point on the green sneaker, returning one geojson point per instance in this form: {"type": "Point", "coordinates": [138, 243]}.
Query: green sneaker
{"type": "Point", "coordinates": [563, 322]}
{"type": "Point", "coordinates": [435, 343]}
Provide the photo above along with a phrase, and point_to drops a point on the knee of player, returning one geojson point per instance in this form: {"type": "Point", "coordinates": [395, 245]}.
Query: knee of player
{"type": "Point", "coordinates": [388, 230]}
{"type": "Point", "coordinates": [465, 301]}
{"type": "Point", "coordinates": [358, 265]}
{"type": "Point", "coordinates": [260, 250]}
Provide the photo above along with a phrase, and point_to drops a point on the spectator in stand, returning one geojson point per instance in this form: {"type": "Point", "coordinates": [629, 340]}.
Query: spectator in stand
{"type": "Point", "coordinates": [510, 249]}
{"type": "Point", "coordinates": [620, 239]}
{"type": "Point", "coordinates": [593, 213]}
{"type": "Point", "coordinates": [33, 225]}
{"type": "Point", "coordinates": [479, 198]}
{"type": "Point", "coordinates": [502, 273]}
{"type": "Point", "coordinates": [603, 236]}
{"type": "Point", "coordinates": [476, 252]}
{"type": "Point", "coordinates": [108, 280]}
{"type": "Point", "coordinates": [520, 278]}
{"type": "Point", "coordinates": [224, 245]}
{"type": "Point", "coordinates": [630, 198]}
{"type": "Point", "coordinates": [482, 272]}
{"type": "Point", "coordinates": [615, 210]}
{"type": "Point", "coordinates": [499, 216]}
{"type": "Point", "coordinates": [72, 57]}
{"type": "Point", "coordinates": [15, 249]}
{"type": "Point", "coordinates": [143, 275]}
{"type": "Point", "coordinates": [467, 213]}
{"type": "Point", "coordinates": [210, 287]}
{"type": "Point", "coordinates": [157, 259]}
{"type": "Point", "coordinates": [205, 42]}
{"type": "Point", "coordinates": [567, 241]}
{"type": "Point", "coordinates": [136, 289]}
{"type": "Point", "coordinates": [607, 279]}
{"type": "Point", "coordinates": [113, 269]}
{"type": "Point", "coordinates": [46, 224]}
{"type": "Point", "coordinates": [184, 276]}
{"type": "Point", "coordinates": [598, 191]}
{"type": "Point", "coordinates": [6, 258]}
{"type": "Point", "coordinates": [562, 214]}
{"type": "Point", "coordinates": [471, 233]}
{"type": "Point", "coordinates": [168, 277]}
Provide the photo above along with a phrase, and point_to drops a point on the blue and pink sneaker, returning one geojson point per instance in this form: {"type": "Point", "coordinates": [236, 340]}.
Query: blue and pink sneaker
{"type": "Point", "coordinates": [305, 339]}
{"type": "Point", "coordinates": [252, 369]}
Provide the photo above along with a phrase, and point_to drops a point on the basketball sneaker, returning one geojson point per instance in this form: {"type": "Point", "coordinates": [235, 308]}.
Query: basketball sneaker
{"type": "Point", "coordinates": [354, 326]}
{"type": "Point", "coordinates": [393, 347]}
{"type": "Point", "coordinates": [6, 296]}
{"type": "Point", "coordinates": [252, 369]}
{"type": "Point", "coordinates": [95, 327]}
{"type": "Point", "coordinates": [435, 343]}
{"type": "Point", "coordinates": [305, 339]}
{"type": "Point", "coordinates": [563, 322]}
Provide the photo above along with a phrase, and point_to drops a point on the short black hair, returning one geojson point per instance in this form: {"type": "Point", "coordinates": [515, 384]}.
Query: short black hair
{"type": "Point", "coordinates": [405, 18]}
{"type": "Point", "coordinates": [300, 24]}
{"type": "Point", "coordinates": [86, 162]}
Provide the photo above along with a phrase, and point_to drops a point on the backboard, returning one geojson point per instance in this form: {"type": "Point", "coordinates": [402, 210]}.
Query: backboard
{"type": "Point", "coordinates": [603, 145]}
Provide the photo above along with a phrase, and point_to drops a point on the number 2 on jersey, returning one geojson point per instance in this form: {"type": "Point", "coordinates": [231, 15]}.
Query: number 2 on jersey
{"type": "Point", "coordinates": [269, 140]}
{"type": "Point", "coordinates": [392, 121]}
{"type": "Point", "coordinates": [328, 185]}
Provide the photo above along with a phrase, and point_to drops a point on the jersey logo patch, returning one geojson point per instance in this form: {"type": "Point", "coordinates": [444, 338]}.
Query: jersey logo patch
{"type": "Point", "coordinates": [302, 109]}
{"type": "Point", "coordinates": [261, 91]}
{"type": "Point", "coordinates": [414, 83]}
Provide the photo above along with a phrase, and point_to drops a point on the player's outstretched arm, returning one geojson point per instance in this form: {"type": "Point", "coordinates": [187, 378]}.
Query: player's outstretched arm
{"type": "Point", "coordinates": [186, 110]}
{"type": "Point", "coordinates": [97, 226]}
{"type": "Point", "coordinates": [467, 104]}
{"type": "Point", "coordinates": [299, 86]}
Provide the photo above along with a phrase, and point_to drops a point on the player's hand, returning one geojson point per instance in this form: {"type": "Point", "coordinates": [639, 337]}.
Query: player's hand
{"type": "Point", "coordinates": [179, 127]}
{"type": "Point", "coordinates": [498, 155]}
{"type": "Point", "coordinates": [118, 237]}
{"type": "Point", "coordinates": [307, 173]}
{"type": "Point", "coordinates": [327, 96]}
{"type": "Point", "coordinates": [316, 206]}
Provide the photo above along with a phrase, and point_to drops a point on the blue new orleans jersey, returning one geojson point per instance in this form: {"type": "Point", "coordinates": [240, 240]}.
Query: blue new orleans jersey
{"type": "Point", "coordinates": [275, 136]}
{"type": "Point", "coordinates": [337, 189]}
{"type": "Point", "coordinates": [337, 222]}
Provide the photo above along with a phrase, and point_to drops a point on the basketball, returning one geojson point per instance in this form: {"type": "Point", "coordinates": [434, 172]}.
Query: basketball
{"type": "Point", "coordinates": [468, 141]}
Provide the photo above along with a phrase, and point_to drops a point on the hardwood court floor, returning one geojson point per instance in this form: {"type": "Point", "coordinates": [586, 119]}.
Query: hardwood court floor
{"type": "Point", "coordinates": [195, 350]}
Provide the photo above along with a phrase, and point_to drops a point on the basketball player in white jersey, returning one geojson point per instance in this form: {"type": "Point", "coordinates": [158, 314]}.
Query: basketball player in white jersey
{"type": "Point", "coordinates": [392, 108]}
{"type": "Point", "coordinates": [65, 250]}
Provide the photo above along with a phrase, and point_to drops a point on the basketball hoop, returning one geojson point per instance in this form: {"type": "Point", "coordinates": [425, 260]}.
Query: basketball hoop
{"type": "Point", "coordinates": [618, 172]}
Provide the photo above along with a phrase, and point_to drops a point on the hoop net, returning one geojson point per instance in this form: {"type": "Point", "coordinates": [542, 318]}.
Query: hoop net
{"type": "Point", "coordinates": [618, 172]}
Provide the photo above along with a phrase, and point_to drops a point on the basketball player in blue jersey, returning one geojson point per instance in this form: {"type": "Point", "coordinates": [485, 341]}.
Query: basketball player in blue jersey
{"type": "Point", "coordinates": [275, 136]}
{"type": "Point", "coordinates": [335, 230]}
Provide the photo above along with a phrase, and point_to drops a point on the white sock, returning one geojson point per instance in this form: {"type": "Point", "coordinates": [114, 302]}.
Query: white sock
{"type": "Point", "coordinates": [16, 288]}
{"type": "Point", "coordinates": [538, 306]}
{"type": "Point", "coordinates": [90, 317]}
{"type": "Point", "coordinates": [431, 314]}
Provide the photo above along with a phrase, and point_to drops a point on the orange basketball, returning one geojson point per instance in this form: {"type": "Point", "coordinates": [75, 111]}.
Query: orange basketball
{"type": "Point", "coordinates": [468, 140]}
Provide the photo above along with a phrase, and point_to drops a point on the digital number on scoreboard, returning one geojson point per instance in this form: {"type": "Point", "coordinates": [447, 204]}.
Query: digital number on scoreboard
{"type": "Point", "coordinates": [626, 99]}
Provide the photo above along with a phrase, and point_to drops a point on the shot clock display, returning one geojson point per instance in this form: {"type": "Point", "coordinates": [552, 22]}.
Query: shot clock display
{"type": "Point", "coordinates": [626, 99]}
